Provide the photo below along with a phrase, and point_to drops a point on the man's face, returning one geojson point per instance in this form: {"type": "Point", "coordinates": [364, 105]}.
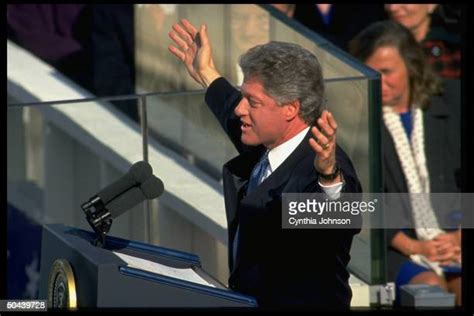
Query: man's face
{"type": "Point", "coordinates": [263, 121]}
{"type": "Point", "coordinates": [395, 81]}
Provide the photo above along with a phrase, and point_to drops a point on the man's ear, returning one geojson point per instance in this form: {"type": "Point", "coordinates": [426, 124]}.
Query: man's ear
{"type": "Point", "coordinates": [292, 109]}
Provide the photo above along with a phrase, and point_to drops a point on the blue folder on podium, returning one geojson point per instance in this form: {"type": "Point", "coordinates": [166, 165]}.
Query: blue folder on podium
{"type": "Point", "coordinates": [74, 273]}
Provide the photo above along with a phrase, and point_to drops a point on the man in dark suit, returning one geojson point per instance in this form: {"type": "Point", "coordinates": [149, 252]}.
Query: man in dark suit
{"type": "Point", "coordinates": [270, 121]}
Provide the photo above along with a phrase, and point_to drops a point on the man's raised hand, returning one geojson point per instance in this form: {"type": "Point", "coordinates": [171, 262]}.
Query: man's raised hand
{"type": "Point", "coordinates": [194, 50]}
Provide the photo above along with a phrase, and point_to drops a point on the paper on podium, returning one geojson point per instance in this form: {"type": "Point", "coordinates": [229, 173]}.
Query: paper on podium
{"type": "Point", "coordinates": [186, 274]}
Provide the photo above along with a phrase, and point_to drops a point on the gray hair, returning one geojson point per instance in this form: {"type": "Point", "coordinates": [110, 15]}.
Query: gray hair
{"type": "Point", "coordinates": [288, 72]}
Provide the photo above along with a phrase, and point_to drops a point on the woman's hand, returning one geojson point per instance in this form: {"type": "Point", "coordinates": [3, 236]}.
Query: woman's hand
{"type": "Point", "coordinates": [442, 251]}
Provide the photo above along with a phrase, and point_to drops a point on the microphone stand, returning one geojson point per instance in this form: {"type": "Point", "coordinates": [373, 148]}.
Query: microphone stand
{"type": "Point", "coordinates": [99, 218]}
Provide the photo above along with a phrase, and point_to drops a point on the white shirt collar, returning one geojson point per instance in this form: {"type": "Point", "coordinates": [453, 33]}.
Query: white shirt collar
{"type": "Point", "coordinates": [277, 155]}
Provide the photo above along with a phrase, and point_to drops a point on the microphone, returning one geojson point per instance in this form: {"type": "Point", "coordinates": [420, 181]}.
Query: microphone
{"type": "Point", "coordinates": [131, 189]}
{"type": "Point", "coordinates": [137, 174]}
{"type": "Point", "coordinates": [125, 201]}
{"type": "Point", "coordinates": [152, 187]}
{"type": "Point", "coordinates": [148, 190]}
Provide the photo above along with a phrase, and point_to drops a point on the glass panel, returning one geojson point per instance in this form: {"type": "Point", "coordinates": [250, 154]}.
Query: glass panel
{"type": "Point", "coordinates": [233, 29]}
{"type": "Point", "coordinates": [182, 121]}
{"type": "Point", "coordinates": [288, 30]}
{"type": "Point", "coordinates": [348, 101]}
{"type": "Point", "coordinates": [61, 155]}
{"type": "Point", "coordinates": [90, 45]}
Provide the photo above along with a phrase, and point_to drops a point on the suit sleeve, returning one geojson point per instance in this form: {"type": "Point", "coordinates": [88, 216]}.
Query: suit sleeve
{"type": "Point", "coordinates": [352, 186]}
{"type": "Point", "coordinates": [352, 183]}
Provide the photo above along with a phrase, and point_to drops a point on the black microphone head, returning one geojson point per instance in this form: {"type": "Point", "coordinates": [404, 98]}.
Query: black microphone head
{"type": "Point", "coordinates": [152, 188]}
{"type": "Point", "coordinates": [122, 184]}
{"type": "Point", "coordinates": [140, 171]}
{"type": "Point", "coordinates": [125, 201]}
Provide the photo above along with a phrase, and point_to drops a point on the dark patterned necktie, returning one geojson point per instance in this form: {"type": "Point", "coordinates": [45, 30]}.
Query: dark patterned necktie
{"type": "Point", "coordinates": [258, 173]}
{"type": "Point", "coordinates": [256, 177]}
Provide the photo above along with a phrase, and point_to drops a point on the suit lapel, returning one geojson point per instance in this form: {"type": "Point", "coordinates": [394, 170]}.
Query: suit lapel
{"type": "Point", "coordinates": [236, 175]}
{"type": "Point", "coordinates": [239, 169]}
{"type": "Point", "coordinates": [241, 208]}
{"type": "Point", "coordinates": [275, 183]}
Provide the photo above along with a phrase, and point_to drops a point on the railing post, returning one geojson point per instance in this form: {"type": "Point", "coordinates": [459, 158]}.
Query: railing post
{"type": "Point", "coordinates": [144, 130]}
{"type": "Point", "coordinates": [143, 125]}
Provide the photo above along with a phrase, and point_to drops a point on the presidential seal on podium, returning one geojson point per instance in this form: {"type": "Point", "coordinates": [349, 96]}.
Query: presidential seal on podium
{"type": "Point", "coordinates": [61, 286]}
